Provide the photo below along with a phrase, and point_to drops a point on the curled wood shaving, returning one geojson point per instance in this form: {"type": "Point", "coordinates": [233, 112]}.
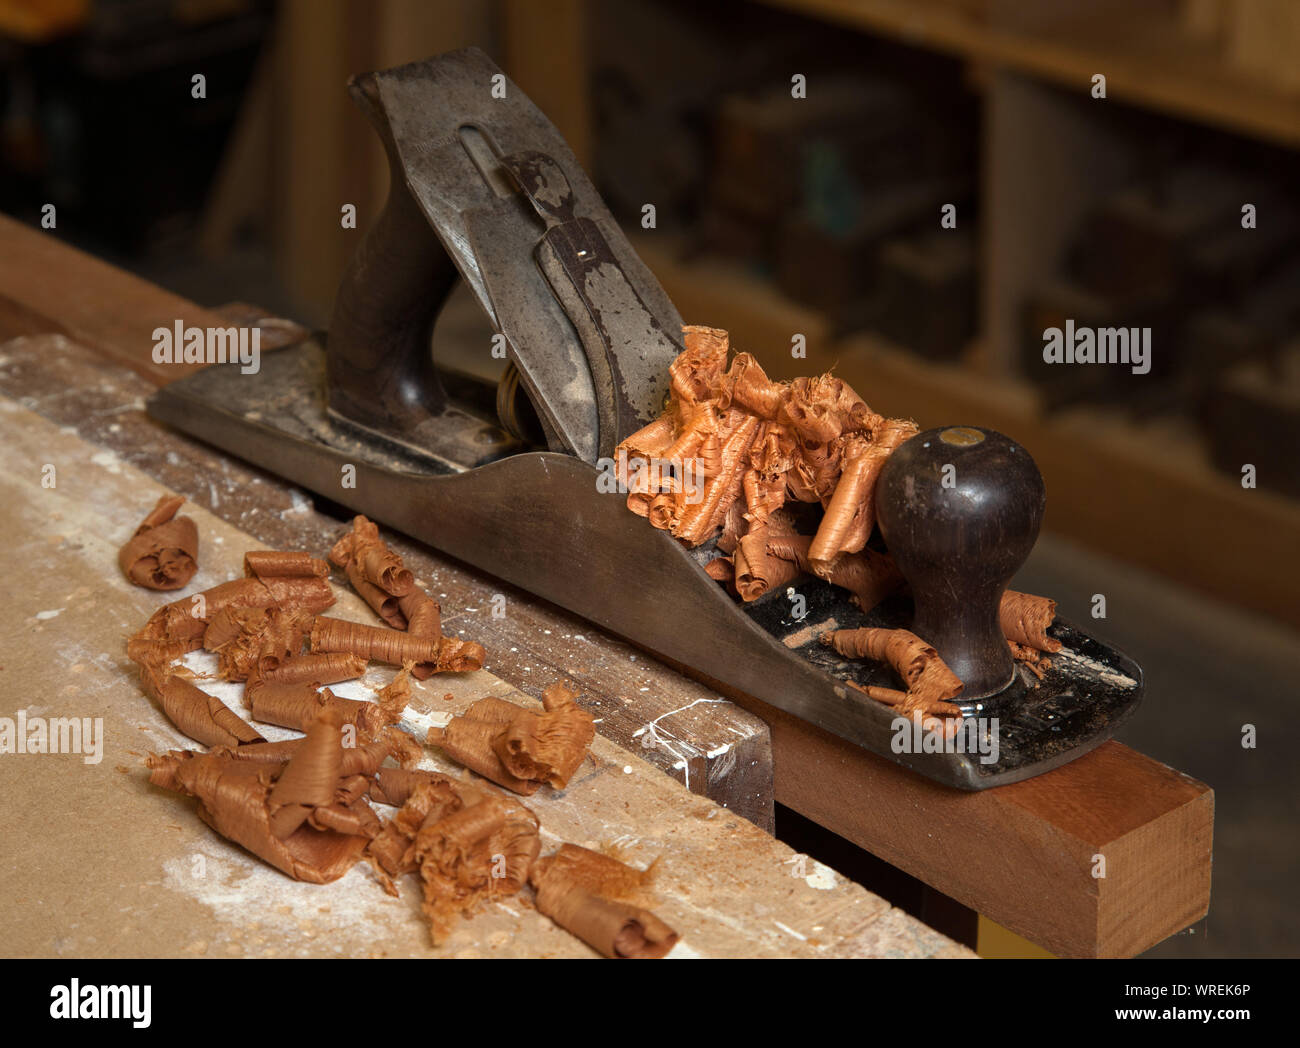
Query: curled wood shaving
{"type": "Point", "coordinates": [595, 897]}
{"type": "Point", "coordinates": [549, 746]}
{"type": "Point", "coordinates": [414, 618]}
{"type": "Point", "coordinates": [758, 443]}
{"type": "Point", "coordinates": [370, 642]}
{"type": "Point", "coordinates": [385, 605]}
{"type": "Point", "coordinates": [1025, 619]}
{"type": "Point", "coordinates": [480, 852]}
{"type": "Point", "coordinates": [930, 683]}
{"type": "Point", "coordinates": [469, 739]}
{"type": "Point", "coordinates": [179, 627]}
{"type": "Point", "coordinates": [298, 706]}
{"type": "Point", "coordinates": [431, 797]}
{"type": "Point", "coordinates": [203, 717]}
{"type": "Point", "coordinates": [258, 805]}
{"type": "Point", "coordinates": [851, 510]}
{"type": "Point", "coordinates": [314, 668]}
{"type": "Point", "coordinates": [767, 560]}
{"type": "Point", "coordinates": [249, 640]}
{"type": "Point", "coordinates": [374, 562]}
{"type": "Point", "coordinates": [395, 786]}
{"type": "Point", "coordinates": [1033, 660]}
{"type": "Point", "coordinates": [520, 748]}
{"type": "Point", "coordinates": [163, 552]}
{"type": "Point", "coordinates": [269, 563]}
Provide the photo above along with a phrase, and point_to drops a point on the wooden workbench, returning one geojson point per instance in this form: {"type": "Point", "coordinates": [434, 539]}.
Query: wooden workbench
{"type": "Point", "coordinates": [1022, 855]}
{"type": "Point", "coordinates": [101, 863]}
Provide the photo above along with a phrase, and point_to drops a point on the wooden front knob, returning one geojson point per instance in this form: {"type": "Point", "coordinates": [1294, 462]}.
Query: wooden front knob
{"type": "Point", "coordinates": [959, 508]}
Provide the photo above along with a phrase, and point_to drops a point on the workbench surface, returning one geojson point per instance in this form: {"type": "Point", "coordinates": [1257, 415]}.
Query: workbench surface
{"type": "Point", "coordinates": [103, 863]}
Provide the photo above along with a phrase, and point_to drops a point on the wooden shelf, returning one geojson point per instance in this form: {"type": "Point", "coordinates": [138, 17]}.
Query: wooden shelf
{"type": "Point", "coordinates": [1184, 78]}
{"type": "Point", "coordinates": [1139, 493]}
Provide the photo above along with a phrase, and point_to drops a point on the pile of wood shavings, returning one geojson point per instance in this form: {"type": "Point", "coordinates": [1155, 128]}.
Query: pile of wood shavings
{"type": "Point", "coordinates": [734, 451]}
{"type": "Point", "coordinates": [303, 805]}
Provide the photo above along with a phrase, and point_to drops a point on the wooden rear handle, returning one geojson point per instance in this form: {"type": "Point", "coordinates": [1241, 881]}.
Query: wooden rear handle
{"type": "Point", "coordinates": [379, 359]}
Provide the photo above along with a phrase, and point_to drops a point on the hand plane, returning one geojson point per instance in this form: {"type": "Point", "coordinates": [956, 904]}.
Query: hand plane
{"type": "Point", "coordinates": [485, 190]}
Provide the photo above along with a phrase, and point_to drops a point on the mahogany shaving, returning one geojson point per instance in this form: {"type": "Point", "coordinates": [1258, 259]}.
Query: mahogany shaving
{"type": "Point", "coordinates": [144, 649]}
{"type": "Point", "coordinates": [414, 618]}
{"type": "Point", "coordinates": [362, 760]}
{"type": "Point", "coordinates": [375, 562]}
{"type": "Point", "coordinates": [454, 656]}
{"type": "Point", "coordinates": [930, 683]}
{"type": "Point", "coordinates": [422, 613]}
{"type": "Point", "coordinates": [397, 693]}
{"type": "Point", "coordinates": [245, 802]}
{"type": "Point", "coordinates": [403, 748]}
{"type": "Point", "coordinates": [396, 785]}
{"type": "Point", "coordinates": [721, 569]}
{"type": "Point", "coordinates": [203, 717]}
{"type": "Point", "coordinates": [1033, 660]}
{"type": "Point", "coordinates": [481, 852]}
{"type": "Point", "coordinates": [520, 748]}
{"type": "Point", "coordinates": [315, 668]}
{"type": "Point", "coordinates": [1025, 619]}
{"type": "Point", "coordinates": [163, 552]}
{"type": "Point", "coordinates": [423, 616]}
{"type": "Point", "coordinates": [547, 747]}
{"type": "Point", "coordinates": [758, 570]}
{"type": "Point", "coordinates": [593, 896]}
{"type": "Point", "coordinates": [180, 625]}
{"type": "Point", "coordinates": [468, 740]}
{"type": "Point", "coordinates": [248, 640]}
{"type": "Point", "coordinates": [299, 705]}
{"type": "Point", "coordinates": [383, 604]}
{"type": "Point", "coordinates": [756, 443]}
{"type": "Point", "coordinates": [371, 642]}
{"type": "Point", "coordinates": [768, 559]}
{"type": "Point", "coordinates": [392, 851]}
{"type": "Point", "coordinates": [267, 563]}
{"type": "Point", "coordinates": [310, 778]}
{"type": "Point", "coordinates": [851, 512]}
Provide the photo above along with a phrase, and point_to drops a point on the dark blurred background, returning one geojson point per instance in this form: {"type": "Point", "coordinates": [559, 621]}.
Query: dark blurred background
{"type": "Point", "coordinates": [820, 217]}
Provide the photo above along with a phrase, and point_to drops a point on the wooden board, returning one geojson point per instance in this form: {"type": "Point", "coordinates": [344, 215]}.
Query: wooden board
{"type": "Point", "coordinates": [1024, 855]}
{"type": "Point", "coordinates": [101, 863]}
{"type": "Point", "coordinates": [1144, 60]}
{"type": "Point", "coordinates": [91, 301]}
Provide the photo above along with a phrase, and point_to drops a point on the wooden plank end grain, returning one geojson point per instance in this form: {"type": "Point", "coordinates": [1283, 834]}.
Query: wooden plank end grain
{"type": "Point", "coordinates": [1023, 855]}
{"type": "Point", "coordinates": [1144, 832]}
